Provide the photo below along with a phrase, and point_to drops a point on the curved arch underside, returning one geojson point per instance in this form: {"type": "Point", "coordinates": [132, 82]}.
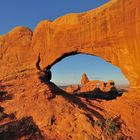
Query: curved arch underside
{"type": "Point", "coordinates": [111, 32]}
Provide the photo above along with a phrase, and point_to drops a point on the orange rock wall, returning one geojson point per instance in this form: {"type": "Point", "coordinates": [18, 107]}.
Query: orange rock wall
{"type": "Point", "coordinates": [15, 51]}
{"type": "Point", "coordinates": [111, 32]}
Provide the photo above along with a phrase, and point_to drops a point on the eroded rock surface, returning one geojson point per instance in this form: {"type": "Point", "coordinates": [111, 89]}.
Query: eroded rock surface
{"type": "Point", "coordinates": [16, 53]}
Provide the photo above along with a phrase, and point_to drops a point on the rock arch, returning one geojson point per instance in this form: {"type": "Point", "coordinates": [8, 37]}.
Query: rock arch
{"type": "Point", "coordinates": [74, 61]}
{"type": "Point", "coordinates": [111, 32]}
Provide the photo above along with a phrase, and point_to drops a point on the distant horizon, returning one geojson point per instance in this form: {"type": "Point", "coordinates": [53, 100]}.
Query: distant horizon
{"type": "Point", "coordinates": [91, 80]}
{"type": "Point", "coordinates": [79, 83]}
{"type": "Point", "coordinates": [127, 85]}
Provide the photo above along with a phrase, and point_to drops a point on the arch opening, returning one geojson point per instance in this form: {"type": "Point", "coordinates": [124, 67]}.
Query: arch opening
{"type": "Point", "coordinates": [68, 72]}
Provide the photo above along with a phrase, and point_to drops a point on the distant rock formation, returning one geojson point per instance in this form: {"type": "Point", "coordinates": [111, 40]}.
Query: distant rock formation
{"type": "Point", "coordinates": [76, 88]}
{"type": "Point", "coordinates": [110, 86]}
{"type": "Point", "coordinates": [69, 89]}
{"type": "Point", "coordinates": [89, 86]}
{"type": "Point", "coordinates": [102, 85]}
{"type": "Point", "coordinates": [84, 79]}
{"type": "Point", "coordinates": [97, 88]}
{"type": "Point", "coordinates": [72, 89]}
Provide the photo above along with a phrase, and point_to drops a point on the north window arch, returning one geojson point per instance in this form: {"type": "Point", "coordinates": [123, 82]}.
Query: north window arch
{"type": "Point", "coordinates": [68, 71]}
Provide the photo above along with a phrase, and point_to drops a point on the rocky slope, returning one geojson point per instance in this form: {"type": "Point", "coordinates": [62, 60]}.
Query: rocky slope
{"type": "Point", "coordinates": [66, 116]}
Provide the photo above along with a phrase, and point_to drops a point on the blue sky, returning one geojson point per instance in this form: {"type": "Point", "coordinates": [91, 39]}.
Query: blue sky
{"type": "Point", "coordinates": [30, 12]}
{"type": "Point", "coordinates": [71, 68]}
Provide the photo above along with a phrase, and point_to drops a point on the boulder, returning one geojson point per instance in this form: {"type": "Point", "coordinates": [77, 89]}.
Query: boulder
{"type": "Point", "coordinates": [110, 86]}
{"type": "Point", "coordinates": [72, 88]}
{"type": "Point", "coordinates": [69, 89]}
{"type": "Point", "coordinates": [102, 85]}
{"type": "Point", "coordinates": [76, 88]}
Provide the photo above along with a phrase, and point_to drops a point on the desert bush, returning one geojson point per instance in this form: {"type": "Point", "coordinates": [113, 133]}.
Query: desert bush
{"type": "Point", "coordinates": [99, 123]}
{"type": "Point", "coordinates": [111, 127]}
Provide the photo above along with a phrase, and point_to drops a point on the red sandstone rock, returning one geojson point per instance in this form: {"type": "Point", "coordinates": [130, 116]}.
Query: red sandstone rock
{"type": "Point", "coordinates": [101, 85]}
{"type": "Point", "coordinates": [20, 129]}
{"type": "Point", "coordinates": [69, 89]}
{"type": "Point", "coordinates": [110, 86]}
{"type": "Point", "coordinates": [84, 79]}
{"type": "Point", "coordinates": [90, 86]}
{"type": "Point", "coordinates": [16, 53]}
{"type": "Point", "coordinates": [72, 89]}
{"type": "Point", "coordinates": [76, 88]}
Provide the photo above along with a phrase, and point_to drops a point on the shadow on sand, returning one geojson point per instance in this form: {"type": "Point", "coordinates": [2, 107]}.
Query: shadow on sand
{"type": "Point", "coordinates": [18, 129]}
{"type": "Point", "coordinates": [5, 96]}
{"type": "Point", "coordinates": [81, 105]}
{"type": "Point", "coordinates": [98, 94]}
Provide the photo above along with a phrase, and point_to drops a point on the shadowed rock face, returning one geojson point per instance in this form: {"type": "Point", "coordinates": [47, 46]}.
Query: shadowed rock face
{"type": "Point", "coordinates": [20, 129]}
{"type": "Point", "coordinates": [111, 32]}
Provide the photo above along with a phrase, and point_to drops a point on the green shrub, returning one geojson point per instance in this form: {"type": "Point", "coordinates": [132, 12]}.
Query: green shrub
{"type": "Point", "coordinates": [98, 123]}
{"type": "Point", "coordinates": [111, 127]}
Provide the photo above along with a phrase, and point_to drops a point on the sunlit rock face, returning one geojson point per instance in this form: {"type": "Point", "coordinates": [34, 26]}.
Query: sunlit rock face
{"type": "Point", "coordinates": [69, 89]}
{"type": "Point", "coordinates": [84, 79]}
{"type": "Point", "coordinates": [111, 32]}
{"type": "Point", "coordinates": [15, 51]}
